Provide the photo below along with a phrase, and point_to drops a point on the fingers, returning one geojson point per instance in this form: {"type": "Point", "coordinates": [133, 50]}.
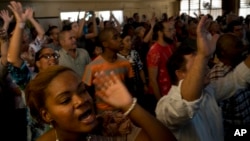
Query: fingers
{"type": "Point", "coordinates": [15, 6]}
{"type": "Point", "coordinates": [201, 24]}
{"type": "Point", "coordinates": [104, 81]}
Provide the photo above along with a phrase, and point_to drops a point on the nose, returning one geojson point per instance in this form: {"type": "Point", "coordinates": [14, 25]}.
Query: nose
{"type": "Point", "coordinates": [80, 100]}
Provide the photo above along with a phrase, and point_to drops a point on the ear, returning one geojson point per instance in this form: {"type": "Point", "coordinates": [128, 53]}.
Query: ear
{"type": "Point", "coordinates": [105, 44]}
{"type": "Point", "coordinates": [61, 41]}
{"type": "Point", "coordinates": [180, 74]}
{"type": "Point", "coordinates": [46, 115]}
{"type": "Point", "coordinates": [38, 64]}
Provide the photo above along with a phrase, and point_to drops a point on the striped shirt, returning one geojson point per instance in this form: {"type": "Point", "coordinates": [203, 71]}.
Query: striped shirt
{"type": "Point", "coordinates": [121, 67]}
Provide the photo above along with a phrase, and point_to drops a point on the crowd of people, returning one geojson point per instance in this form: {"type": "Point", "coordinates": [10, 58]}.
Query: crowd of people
{"type": "Point", "coordinates": [151, 79]}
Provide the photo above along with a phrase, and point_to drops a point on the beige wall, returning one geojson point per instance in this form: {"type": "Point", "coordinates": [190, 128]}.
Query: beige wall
{"type": "Point", "coordinates": [52, 8]}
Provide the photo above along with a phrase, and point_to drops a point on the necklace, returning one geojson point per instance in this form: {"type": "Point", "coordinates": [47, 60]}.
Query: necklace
{"type": "Point", "coordinates": [56, 136]}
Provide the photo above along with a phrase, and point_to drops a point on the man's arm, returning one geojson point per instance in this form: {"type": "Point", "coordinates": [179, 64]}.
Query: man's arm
{"type": "Point", "coordinates": [191, 88]}
{"type": "Point", "coordinates": [152, 74]}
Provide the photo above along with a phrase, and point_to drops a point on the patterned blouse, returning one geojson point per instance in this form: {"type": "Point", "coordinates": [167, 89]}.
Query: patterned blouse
{"type": "Point", "coordinates": [137, 65]}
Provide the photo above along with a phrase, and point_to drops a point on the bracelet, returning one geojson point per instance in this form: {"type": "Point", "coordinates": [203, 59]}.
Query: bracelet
{"type": "Point", "coordinates": [21, 25]}
{"type": "Point", "coordinates": [132, 106]}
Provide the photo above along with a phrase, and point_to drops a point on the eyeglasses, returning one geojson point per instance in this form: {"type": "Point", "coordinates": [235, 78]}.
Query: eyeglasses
{"type": "Point", "coordinates": [48, 56]}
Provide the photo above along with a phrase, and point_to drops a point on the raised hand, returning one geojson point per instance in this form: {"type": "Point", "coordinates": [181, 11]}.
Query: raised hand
{"type": "Point", "coordinates": [30, 13]}
{"type": "Point", "coordinates": [101, 17]}
{"type": "Point", "coordinates": [112, 91]}
{"type": "Point", "coordinates": [205, 46]}
{"type": "Point", "coordinates": [17, 9]}
{"type": "Point", "coordinates": [4, 14]}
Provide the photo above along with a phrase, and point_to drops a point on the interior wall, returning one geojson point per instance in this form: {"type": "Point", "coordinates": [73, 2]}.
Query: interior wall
{"type": "Point", "coordinates": [52, 8]}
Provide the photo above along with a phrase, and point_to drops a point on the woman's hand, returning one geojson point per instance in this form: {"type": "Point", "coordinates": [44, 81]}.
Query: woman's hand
{"type": "Point", "coordinates": [17, 9]}
{"type": "Point", "coordinates": [4, 14]}
{"type": "Point", "coordinates": [112, 91]}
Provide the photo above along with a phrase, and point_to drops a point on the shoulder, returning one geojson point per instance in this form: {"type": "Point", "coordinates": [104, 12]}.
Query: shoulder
{"type": "Point", "coordinates": [82, 50]}
{"type": "Point", "coordinates": [154, 48]}
{"type": "Point", "coordinates": [120, 58]}
{"type": "Point", "coordinates": [48, 136]}
{"type": "Point", "coordinates": [62, 51]}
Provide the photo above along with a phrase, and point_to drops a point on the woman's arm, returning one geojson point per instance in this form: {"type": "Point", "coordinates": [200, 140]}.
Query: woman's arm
{"type": "Point", "coordinates": [116, 94]}
{"type": "Point", "coordinates": [14, 52]}
{"type": "Point", "coordinates": [4, 14]}
{"type": "Point", "coordinates": [81, 26]}
{"type": "Point", "coordinates": [95, 31]}
{"type": "Point", "coordinates": [37, 26]}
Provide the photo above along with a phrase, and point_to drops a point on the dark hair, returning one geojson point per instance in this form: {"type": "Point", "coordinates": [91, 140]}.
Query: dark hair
{"type": "Point", "coordinates": [35, 91]}
{"type": "Point", "coordinates": [126, 28]}
{"type": "Point", "coordinates": [226, 40]}
{"type": "Point", "coordinates": [177, 61]}
{"type": "Point", "coordinates": [37, 58]}
{"type": "Point", "coordinates": [157, 27]}
{"type": "Point", "coordinates": [123, 35]}
{"type": "Point", "coordinates": [102, 37]}
{"type": "Point", "coordinates": [97, 20]}
{"type": "Point", "coordinates": [232, 24]}
{"type": "Point", "coordinates": [135, 14]}
{"type": "Point", "coordinates": [49, 31]}
{"type": "Point", "coordinates": [68, 27]}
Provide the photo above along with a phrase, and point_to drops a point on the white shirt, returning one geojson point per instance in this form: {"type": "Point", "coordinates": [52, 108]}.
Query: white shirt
{"type": "Point", "coordinates": [200, 120]}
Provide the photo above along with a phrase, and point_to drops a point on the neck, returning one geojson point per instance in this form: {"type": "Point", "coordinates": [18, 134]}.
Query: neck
{"type": "Point", "coordinates": [65, 136]}
{"type": "Point", "coordinates": [162, 42]}
{"type": "Point", "coordinates": [109, 56]}
{"type": "Point", "coordinates": [55, 42]}
{"type": "Point", "coordinates": [71, 52]}
{"type": "Point", "coordinates": [124, 51]}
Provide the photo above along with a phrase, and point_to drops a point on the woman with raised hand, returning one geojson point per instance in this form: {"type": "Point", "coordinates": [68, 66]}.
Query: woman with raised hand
{"type": "Point", "coordinates": [70, 109]}
{"type": "Point", "coordinates": [18, 68]}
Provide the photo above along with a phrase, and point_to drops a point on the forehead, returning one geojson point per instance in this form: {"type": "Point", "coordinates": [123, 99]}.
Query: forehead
{"type": "Point", "coordinates": [55, 30]}
{"type": "Point", "coordinates": [47, 50]}
{"type": "Point", "coordinates": [63, 76]}
{"type": "Point", "coordinates": [68, 34]}
{"type": "Point", "coordinates": [112, 33]}
{"type": "Point", "coordinates": [59, 83]}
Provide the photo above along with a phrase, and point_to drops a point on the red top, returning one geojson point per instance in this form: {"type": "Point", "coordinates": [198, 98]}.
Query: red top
{"type": "Point", "coordinates": [157, 57]}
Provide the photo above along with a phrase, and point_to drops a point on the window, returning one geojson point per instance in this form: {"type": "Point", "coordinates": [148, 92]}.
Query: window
{"type": "Point", "coordinates": [196, 7]}
{"type": "Point", "coordinates": [73, 16]}
{"type": "Point", "coordinates": [244, 8]}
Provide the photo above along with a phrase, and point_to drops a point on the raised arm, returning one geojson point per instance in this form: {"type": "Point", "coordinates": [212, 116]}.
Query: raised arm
{"type": "Point", "coordinates": [4, 46]}
{"type": "Point", "coordinates": [191, 88]}
{"type": "Point", "coordinates": [81, 26]}
{"type": "Point", "coordinates": [95, 31]}
{"type": "Point", "coordinates": [117, 23]}
{"type": "Point", "coordinates": [37, 26]}
{"type": "Point", "coordinates": [148, 37]}
{"type": "Point", "coordinates": [14, 52]}
{"type": "Point", "coordinates": [4, 14]}
{"type": "Point", "coordinates": [101, 25]}
{"type": "Point", "coordinates": [115, 93]}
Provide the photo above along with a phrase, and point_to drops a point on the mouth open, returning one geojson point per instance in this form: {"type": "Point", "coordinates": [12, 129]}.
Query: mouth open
{"type": "Point", "coordinates": [87, 117]}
